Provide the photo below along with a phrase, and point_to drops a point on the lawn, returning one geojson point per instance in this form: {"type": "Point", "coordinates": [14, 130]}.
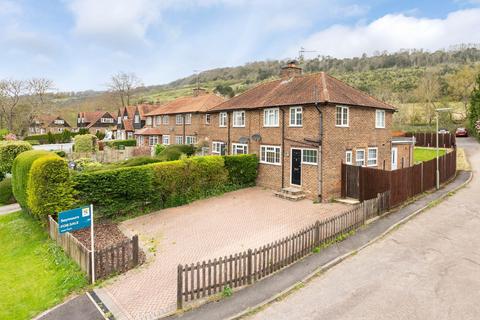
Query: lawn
{"type": "Point", "coordinates": [35, 273]}
{"type": "Point", "coordinates": [425, 154]}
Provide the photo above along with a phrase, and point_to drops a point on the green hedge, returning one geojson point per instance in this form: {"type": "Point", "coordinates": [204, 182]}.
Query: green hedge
{"type": "Point", "coordinates": [242, 169]}
{"type": "Point", "coordinates": [115, 144]}
{"type": "Point", "coordinates": [62, 137]}
{"type": "Point", "coordinates": [124, 191]}
{"type": "Point", "coordinates": [175, 151]}
{"type": "Point", "coordinates": [49, 187]}
{"type": "Point", "coordinates": [20, 169]}
{"type": "Point", "coordinates": [85, 143]}
{"type": "Point", "coordinates": [6, 194]}
{"type": "Point", "coordinates": [8, 151]}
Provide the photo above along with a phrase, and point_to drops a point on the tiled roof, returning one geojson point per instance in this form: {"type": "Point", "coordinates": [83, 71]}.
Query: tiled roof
{"type": "Point", "coordinates": [143, 109]}
{"type": "Point", "coordinates": [131, 111]}
{"type": "Point", "coordinates": [47, 120]}
{"type": "Point", "coordinates": [302, 89]}
{"type": "Point", "coordinates": [148, 132]}
{"type": "Point", "coordinates": [199, 103]}
{"type": "Point", "coordinates": [92, 117]}
{"type": "Point", "coordinates": [128, 125]}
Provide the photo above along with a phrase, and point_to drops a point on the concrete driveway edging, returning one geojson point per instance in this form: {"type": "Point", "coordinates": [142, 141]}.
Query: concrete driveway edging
{"type": "Point", "coordinates": [333, 255]}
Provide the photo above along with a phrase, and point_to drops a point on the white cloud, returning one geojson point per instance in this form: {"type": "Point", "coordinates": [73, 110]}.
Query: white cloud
{"type": "Point", "coordinates": [393, 32]}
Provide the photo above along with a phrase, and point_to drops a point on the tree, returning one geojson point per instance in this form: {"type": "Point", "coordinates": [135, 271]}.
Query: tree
{"type": "Point", "coordinates": [474, 107]}
{"type": "Point", "coordinates": [461, 84]}
{"type": "Point", "coordinates": [225, 90]}
{"type": "Point", "coordinates": [10, 93]}
{"type": "Point", "coordinates": [122, 85]}
{"type": "Point", "coordinates": [39, 94]}
{"type": "Point", "coordinates": [428, 93]}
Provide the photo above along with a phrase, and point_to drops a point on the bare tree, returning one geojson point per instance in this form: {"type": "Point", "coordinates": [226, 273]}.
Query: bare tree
{"type": "Point", "coordinates": [39, 94]}
{"type": "Point", "coordinates": [428, 93]}
{"type": "Point", "coordinates": [123, 85]}
{"type": "Point", "coordinates": [11, 92]}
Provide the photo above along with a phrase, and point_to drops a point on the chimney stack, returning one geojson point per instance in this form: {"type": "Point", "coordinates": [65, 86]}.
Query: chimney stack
{"type": "Point", "coordinates": [290, 70]}
{"type": "Point", "coordinates": [198, 92]}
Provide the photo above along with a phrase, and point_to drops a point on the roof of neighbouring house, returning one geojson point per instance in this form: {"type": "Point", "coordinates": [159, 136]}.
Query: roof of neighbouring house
{"type": "Point", "coordinates": [302, 89]}
{"type": "Point", "coordinates": [144, 109]}
{"type": "Point", "coordinates": [46, 119]}
{"type": "Point", "coordinates": [199, 103]}
{"type": "Point", "coordinates": [148, 132]}
{"type": "Point", "coordinates": [92, 117]}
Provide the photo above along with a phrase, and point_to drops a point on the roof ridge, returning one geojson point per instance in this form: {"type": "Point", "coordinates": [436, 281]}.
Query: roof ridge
{"type": "Point", "coordinates": [326, 94]}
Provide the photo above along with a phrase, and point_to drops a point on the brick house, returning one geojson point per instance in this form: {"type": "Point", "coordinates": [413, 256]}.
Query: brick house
{"type": "Point", "coordinates": [181, 121]}
{"type": "Point", "coordinates": [42, 124]}
{"type": "Point", "coordinates": [302, 127]}
{"type": "Point", "coordinates": [96, 121]}
{"type": "Point", "coordinates": [129, 119]}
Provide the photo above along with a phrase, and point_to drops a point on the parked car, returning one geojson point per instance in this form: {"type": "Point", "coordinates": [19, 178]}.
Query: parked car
{"type": "Point", "coordinates": [461, 132]}
{"type": "Point", "coordinates": [443, 131]}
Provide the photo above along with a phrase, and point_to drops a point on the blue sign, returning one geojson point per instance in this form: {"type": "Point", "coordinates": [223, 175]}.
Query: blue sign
{"type": "Point", "coordinates": [74, 219]}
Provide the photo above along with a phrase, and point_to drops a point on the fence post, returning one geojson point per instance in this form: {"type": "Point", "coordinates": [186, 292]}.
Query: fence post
{"type": "Point", "coordinates": [179, 286]}
{"type": "Point", "coordinates": [317, 233]}
{"type": "Point", "coordinates": [135, 250]}
{"type": "Point", "coordinates": [378, 203]}
{"type": "Point", "coordinates": [249, 266]}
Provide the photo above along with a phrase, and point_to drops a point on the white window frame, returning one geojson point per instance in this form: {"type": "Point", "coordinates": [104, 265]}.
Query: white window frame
{"type": "Point", "coordinates": [208, 118]}
{"type": "Point", "coordinates": [343, 109]}
{"type": "Point", "coordinates": [158, 120]}
{"type": "Point", "coordinates": [217, 147]}
{"type": "Point", "coordinates": [268, 149]}
{"type": "Point", "coordinates": [166, 139]}
{"type": "Point", "coordinates": [165, 119]}
{"type": "Point", "coordinates": [222, 119]}
{"type": "Point", "coordinates": [58, 121]}
{"type": "Point", "coordinates": [190, 139]}
{"type": "Point", "coordinates": [137, 118]}
{"type": "Point", "coordinates": [308, 162]}
{"type": "Point", "coordinates": [269, 112]}
{"type": "Point", "coordinates": [293, 120]}
{"type": "Point", "coordinates": [107, 120]}
{"type": "Point", "coordinates": [178, 139]}
{"type": "Point", "coordinates": [372, 159]}
{"type": "Point", "coordinates": [152, 140]}
{"type": "Point", "coordinates": [356, 157]}
{"type": "Point", "coordinates": [243, 146]}
{"type": "Point", "coordinates": [348, 155]}
{"type": "Point", "coordinates": [239, 116]}
{"type": "Point", "coordinates": [129, 135]}
{"type": "Point", "coordinates": [149, 121]}
{"type": "Point", "coordinates": [380, 124]}
{"type": "Point", "coordinates": [188, 118]}
{"type": "Point", "coordinates": [179, 119]}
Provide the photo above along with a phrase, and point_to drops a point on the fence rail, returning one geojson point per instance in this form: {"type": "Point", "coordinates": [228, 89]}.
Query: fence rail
{"type": "Point", "coordinates": [429, 139]}
{"type": "Point", "coordinates": [201, 279]}
{"type": "Point", "coordinates": [114, 259]}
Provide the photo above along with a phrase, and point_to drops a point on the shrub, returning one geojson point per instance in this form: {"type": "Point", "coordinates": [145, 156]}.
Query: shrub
{"type": "Point", "coordinates": [49, 187]}
{"type": "Point", "coordinates": [3, 133]}
{"type": "Point", "coordinates": [60, 153]}
{"type": "Point", "coordinates": [174, 152]}
{"type": "Point", "coordinates": [242, 169]}
{"type": "Point", "coordinates": [86, 163]}
{"type": "Point", "coordinates": [100, 135]}
{"type": "Point", "coordinates": [115, 144]}
{"type": "Point", "coordinates": [8, 151]}
{"type": "Point", "coordinates": [6, 194]}
{"type": "Point", "coordinates": [20, 169]}
{"type": "Point", "coordinates": [33, 142]}
{"type": "Point", "coordinates": [85, 143]}
{"type": "Point", "coordinates": [62, 137]}
{"type": "Point", "coordinates": [138, 161]}
{"type": "Point", "coordinates": [159, 149]}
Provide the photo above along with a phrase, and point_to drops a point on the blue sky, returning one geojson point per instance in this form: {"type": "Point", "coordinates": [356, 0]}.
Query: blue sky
{"type": "Point", "coordinates": [80, 43]}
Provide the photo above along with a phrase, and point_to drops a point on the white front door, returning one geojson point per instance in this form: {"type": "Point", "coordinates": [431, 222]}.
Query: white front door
{"type": "Point", "coordinates": [394, 158]}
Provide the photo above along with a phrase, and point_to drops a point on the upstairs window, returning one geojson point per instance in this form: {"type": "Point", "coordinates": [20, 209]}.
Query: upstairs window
{"type": "Point", "coordinates": [179, 119]}
{"type": "Point", "coordinates": [380, 119]}
{"type": "Point", "coordinates": [165, 119]}
{"type": "Point", "coordinates": [341, 116]}
{"type": "Point", "coordinates": [270, 117]}
{"type": "Point", "coordinates": [158, 120]}
{"type": "Point", "coordinates": [149, 121]}
{"type": "Point", "coordinates": [106, 120]}
{"type": "Point", "coordinates": [222, 119]}
{"type": "Point", "coordinates": [207, 118]}
{"type": "Point", "coordinates": [119, 120]}
{"type": "Point", "coordinates": [58, 121]}
{"type": "Point", "coordinates": [296, 116]}
{"type": "Point", "coordinates": [137, 118]}
{"type": "Point", "coordinates": [239, 119]}
{"type": "Point", "coordinates": [188, 118]}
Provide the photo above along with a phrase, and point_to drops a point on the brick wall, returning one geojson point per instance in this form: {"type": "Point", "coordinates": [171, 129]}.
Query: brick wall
{"type": "Point", "coordinates": [405, 155]}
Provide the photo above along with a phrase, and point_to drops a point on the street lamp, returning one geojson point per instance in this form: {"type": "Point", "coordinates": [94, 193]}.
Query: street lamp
{"type": "Point", "coordinates": [437, 111]}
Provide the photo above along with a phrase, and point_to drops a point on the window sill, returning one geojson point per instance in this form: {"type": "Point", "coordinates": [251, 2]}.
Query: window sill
{"type": "Point", "coordinates": [342, 126]}
{"type": "Point", "coordinates": [274, 126]}
{"type": "Point", "coordinates": [272, 164]}
{"type": "Point", "coordinates": [295, 126]}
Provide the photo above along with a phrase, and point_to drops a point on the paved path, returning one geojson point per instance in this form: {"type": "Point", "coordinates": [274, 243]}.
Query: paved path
{"type": "Point", "coordinates": [79, 308]}
{"type": "Point", "coordinates": [427, 269]}
{"type": "Point", "coordinates": [202, 230]}
{"type": "Point", "coordinates": [10, 208]}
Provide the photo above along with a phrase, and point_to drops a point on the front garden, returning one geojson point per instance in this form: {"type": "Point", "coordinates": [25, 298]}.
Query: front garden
{"type": "Point", "coordinates": [421, 154]}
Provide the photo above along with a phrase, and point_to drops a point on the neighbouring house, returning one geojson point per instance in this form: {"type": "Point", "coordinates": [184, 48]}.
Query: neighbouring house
{"type": "Point", "coordinates": [181, 121]}
{"type": "Point", "coordinates": [402, 152]}
{"type": "Point", "coordinates": [130, 119]}
{"type": "Point", "coordinates": [42, 124]}
{"type": "Point", "coordinates": [95, 121]}
{"type": "Point", "coordinates": [302, 127]}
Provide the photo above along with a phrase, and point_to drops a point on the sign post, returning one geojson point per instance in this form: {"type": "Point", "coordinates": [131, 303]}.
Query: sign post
{"type": "Point", "coordinates": [75, 219]}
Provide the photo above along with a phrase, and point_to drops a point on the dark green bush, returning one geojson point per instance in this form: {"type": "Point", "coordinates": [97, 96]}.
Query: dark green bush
{"type": "Point", "coordinates": [242, 169]}
{"type": "Point", "coordinates": [85, 143]}
{"type": "Point", "coordinates": [33, 142]}
{"type": "Point", "coordinates": [62, 137]}
{"type": "Point", "coordinates": [8, 151]}
{"type": "Point", "coordinates": [20, 169]}
{"type": "Point", "coordinates": [175, 151]}
{"type": "Point", "coordinates": [6, 194]}
{"type": "Point", "coordinates": [159, 148]}
{"type": "Point", "coordinates": [139, 161]}
{"type": "Point", "coordinates": [60, 153]}
{"type": "Point", "coordinates": [49, 187]}
{"type": "Point", "coordinates": [115, 144]}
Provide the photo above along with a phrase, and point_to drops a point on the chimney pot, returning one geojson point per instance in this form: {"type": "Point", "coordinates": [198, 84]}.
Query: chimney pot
{"type": "Point", "coordinates": [198, 92]}
{"type": "Point", "coordinates": [291, 69]}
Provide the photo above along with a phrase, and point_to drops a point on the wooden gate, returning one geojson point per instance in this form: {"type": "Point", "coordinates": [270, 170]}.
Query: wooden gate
{"type": "Point", "coordinates": [350, 181]}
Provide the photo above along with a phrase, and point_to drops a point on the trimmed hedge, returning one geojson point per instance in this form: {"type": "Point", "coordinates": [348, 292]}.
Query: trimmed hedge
{"type": "Point", "coordinates": [124, 191]}
{"type": "Point", "coordinates": [175, 151]}
{"type": "Point", "coordinates": [115, 144]}
{"type": "Point", "coordinates": [85, 143]}
{"type": "Point", "coordinates": [49, 187]}
{"type": "Point", "coordinates": [6, 194]}
{"type": "Point", "coordinates": [62, 137]}
{"type": "Point", "coordinates": [20, 169]}
{"type": "Point", "coordinates": [8, 151]}
{"type": "Point", "coordinates": [242, 169]}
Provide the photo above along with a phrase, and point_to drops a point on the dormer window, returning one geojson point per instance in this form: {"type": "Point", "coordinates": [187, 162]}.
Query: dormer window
{"type": "Point", "coordinates": [137, 118]}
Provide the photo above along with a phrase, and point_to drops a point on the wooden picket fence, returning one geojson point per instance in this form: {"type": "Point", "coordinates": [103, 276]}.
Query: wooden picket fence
{"type": "Point", "coordinates": [201, 279]}
{"type": "Point", "coordinates": [114, 259]}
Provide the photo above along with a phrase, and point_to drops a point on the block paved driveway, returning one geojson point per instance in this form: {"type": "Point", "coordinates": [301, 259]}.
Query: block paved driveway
{"type": "Point", "coordinates": [203, 230]}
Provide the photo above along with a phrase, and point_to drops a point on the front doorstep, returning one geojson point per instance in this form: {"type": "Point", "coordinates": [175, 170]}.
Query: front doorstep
{"type": "Point", "coordinates": [350, 201]}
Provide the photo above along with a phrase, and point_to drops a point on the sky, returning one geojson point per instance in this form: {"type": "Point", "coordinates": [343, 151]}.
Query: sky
{"type": "Point", "coordinates": [79, 44]}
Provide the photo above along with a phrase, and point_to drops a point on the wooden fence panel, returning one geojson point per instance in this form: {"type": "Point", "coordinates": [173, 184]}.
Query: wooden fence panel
{"type": "Point", "coordinates": [428, 139]}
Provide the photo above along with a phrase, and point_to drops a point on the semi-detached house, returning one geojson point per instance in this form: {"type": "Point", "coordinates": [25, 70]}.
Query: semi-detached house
{"type": "Point", "coordinates": [302, 127]}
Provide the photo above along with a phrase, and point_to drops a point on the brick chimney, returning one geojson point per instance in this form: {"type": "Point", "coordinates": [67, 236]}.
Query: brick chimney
{"type": "Point", "coordinates": [199, 91]}
{"type": "Point", "coordinates": [290, 70]}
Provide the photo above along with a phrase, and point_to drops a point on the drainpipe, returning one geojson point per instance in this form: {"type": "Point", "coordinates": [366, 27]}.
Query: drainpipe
{"type": "Point", "coordinates": [227, 147]}
{"type": "Point", "coordinates": [283, 147]}
{"type": "Point", "coordinates": [320, 161]}
{"type": "Point", "coordinates": [184, 139]}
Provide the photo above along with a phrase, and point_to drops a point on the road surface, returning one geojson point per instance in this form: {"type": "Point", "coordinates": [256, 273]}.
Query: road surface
{"type": "Point", "coordinates": [427, 269]}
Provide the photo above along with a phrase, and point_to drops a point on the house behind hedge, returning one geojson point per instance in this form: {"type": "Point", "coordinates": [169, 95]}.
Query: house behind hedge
{"type": "Point", "coordinates": [96, 121]}
{"type": "Point", "coordinates": [129, 119]}
{"type": "Point", "coordinates": [42, 124]}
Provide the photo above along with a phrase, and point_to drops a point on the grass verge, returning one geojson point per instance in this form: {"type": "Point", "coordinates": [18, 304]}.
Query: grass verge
{"type": "Point", "coordinates": [35, 273]}
{"type": "Point", "coordinates": [421, 154]}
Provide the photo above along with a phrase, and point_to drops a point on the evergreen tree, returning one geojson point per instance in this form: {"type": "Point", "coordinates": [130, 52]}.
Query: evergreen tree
{"type": "Point", "coordinates": [474, 108]}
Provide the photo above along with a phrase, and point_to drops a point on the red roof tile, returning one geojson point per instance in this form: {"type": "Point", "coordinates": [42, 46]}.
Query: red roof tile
{"type": "Point", "coordinates": [148, 132]}
{"type": "Point", "coordinates": [199, 103]}
{"type": "Point", "coordinates": [302, 89]}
